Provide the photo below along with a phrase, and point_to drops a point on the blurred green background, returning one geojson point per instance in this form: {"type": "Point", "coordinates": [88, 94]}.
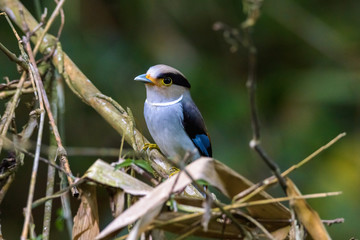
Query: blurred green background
{"type": "Point", "coordinates": [308, 89]}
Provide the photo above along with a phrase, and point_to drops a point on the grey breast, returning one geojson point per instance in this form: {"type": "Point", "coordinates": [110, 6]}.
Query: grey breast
{"type": "Point", "coordinates": [166, 128]}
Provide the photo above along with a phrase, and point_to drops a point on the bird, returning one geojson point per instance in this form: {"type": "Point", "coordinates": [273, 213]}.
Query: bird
{"type": "Point", "coordinates": [173, 120]}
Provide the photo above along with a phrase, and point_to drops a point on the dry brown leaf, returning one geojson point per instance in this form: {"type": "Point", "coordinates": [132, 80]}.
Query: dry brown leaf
{"type": "Point", "coordinates": [117, 201]}
{"type": "Point", "coordinates": [281, 233]}
{"type": "Point", "coordinates": [141, 225]}
{"type": "Point", "coordinates": [86, 221]}
{"type": "Point", "coordinates": [218, 227]}
{"type": "Point", "coordinates": [216, 174]}
{"type": "Point", "coordinates": [207, 204]}
{"type": "Point", "coordinates": [306, 215]}
{"type": "Point", "coordinates": [103, 173]}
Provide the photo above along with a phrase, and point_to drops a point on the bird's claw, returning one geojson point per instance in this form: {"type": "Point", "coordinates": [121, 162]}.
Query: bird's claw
{"type": "Point", "coordinates": [173, 171]}
{"type": "Point", "coordinates": [149, 146]}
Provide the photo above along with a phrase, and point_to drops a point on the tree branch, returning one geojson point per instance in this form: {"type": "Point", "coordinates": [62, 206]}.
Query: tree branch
{"type": "Point", "coordinates": [86, 91]}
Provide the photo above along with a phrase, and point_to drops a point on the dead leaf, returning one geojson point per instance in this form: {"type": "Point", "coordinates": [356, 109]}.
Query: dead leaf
{"type": "Point", "coordinates": [216, 174]}
{"type": "Point", "coordinates": [306, 215]}
{"type": "Point", "coordinates": [86, 221]}
{"type": "Point", "coordinates": [218, 227]}
{"type": "Point", "coordinates": [281, 233]}
{"type": "Point", "coordinates": [103, 173]}
{"type": "Point", "coordinates": [141, 225]}
{"type": "Point", "coordinates": [207, 204]}
{"type": "Point", "coordinates": [117, 201]}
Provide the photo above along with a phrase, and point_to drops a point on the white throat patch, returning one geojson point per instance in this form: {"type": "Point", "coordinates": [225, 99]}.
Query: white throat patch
{"type": "Point", "coordinates": [164, 104]}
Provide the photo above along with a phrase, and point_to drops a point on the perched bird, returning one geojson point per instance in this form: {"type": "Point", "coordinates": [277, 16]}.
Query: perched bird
{"type": "Point", "coordinates": [173, 120]}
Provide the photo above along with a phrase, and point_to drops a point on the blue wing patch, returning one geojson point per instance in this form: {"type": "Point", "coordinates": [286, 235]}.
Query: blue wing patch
{"type": "Point", "coordinates": [202, 142]}
{"type": "Point", "coordinates": [195, 128]}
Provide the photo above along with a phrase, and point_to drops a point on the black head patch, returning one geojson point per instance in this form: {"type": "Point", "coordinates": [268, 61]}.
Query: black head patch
{"type": "Point", "coordinates": [177, 78]}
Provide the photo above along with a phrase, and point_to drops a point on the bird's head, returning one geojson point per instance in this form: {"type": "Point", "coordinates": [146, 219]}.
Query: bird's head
{"type": "Point", "coordinates": [163, 83]}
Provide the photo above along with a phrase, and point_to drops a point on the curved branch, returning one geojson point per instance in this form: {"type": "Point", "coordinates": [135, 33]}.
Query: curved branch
{"type": "Point", "coordinates": [119, 119]}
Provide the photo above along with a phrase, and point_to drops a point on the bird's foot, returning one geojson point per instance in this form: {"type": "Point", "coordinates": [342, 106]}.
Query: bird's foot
{"type": "Point", "coordinates": [173, 171]}
{"type": "Point", "coordinates": [149, 146]}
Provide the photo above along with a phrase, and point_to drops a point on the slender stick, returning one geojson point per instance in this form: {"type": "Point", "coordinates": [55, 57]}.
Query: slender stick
{"type": "Point", "coordinates": [86, 91]}
{"type": "Point", "coordinates": [61, 150]}
{"type": "Point", "coordinates": [65, 199]}
{"type": "Point", "coordinates": [311, 156]}
{"type": "Point", "coordinates": [10, 109]}
{"type": "Point", "coordinates": [190, 230]}
{"type": "Point", "coordinates": [48, 25]}
{"type": "Point", "coordinates": [256, 223]}
{"type": "Point", "coordinates": [13, 57]}
{"type": "Point", "coordinates": [33, 74]}
{"type": "Point", "coordinates": [208, 195]}
{"type": "Point", "coordinates": [57, 194]}
{"type": "Point", "coordinates": [6, 94]}
{"type": "Point", "coordinates": [256, 188]}
{"type": "Point", "coordinates": [251, 85]}
{"type": "Point", "coordinates": [242, 205]}
{"type": "Point", "coordinates": [6, 187]}
{"type": "Point", "coordinates": [51, 170]}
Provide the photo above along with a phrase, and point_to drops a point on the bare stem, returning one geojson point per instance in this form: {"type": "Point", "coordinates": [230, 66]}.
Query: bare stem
{"type": "Point", "coordinates": [6, 94]}
{"type": "Point", "coordinates": [257, 188]}
{"type": "Point", "coordinates": [13, 57]}
{"type": "Point", "coordinates": [51, 170]}
{"type": "Point", "coordinates": [57, 194]}
{"type": "Point", "coordinates": [255, 143]}
{"type": "Point", "coordinates": [10, 109]}
{"type": "Point", "coordinates": [216, 203]}
{"type": "Point", "coordinates": [88, 93]}
{"type": "Point", "coordinates": [35, 74]}
{"type": "Point", "coordinates": [48, 25]}
{"type": "Point", "coordinates": [65, 199]}
{"type": "Point", "coordinates": [6, 186]}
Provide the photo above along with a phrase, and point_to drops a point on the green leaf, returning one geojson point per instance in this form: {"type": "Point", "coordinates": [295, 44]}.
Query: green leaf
{"type": "Point", "coordinates": [144, 164]}
{"type": "Point", "coordinates": [125, 163]}
{"type": "Point", "coordinates": [202, 182]}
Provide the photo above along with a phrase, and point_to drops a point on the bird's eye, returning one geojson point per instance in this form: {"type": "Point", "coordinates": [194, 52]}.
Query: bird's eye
{"type": "Point", "coordinates": [167, 81]}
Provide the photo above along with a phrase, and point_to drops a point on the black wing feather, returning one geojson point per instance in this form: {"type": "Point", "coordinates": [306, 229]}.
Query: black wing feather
{"type": "Point", "coordinates": [195, 127]}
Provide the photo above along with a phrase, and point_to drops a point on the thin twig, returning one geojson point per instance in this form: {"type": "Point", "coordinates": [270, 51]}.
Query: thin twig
{"type": "Point", "coordinates": [51, 170]}
{"type": "Point", "coordinates": [233, 37]}
{"type": "Point", "coordinates": [190, 230]}
{"type": "Point", "coordinates": [12, 84]}
{"type": "Point", "coordinates": [83, 88]}
{"type": "Point", "coordinates": [9, 144]}
{"type": "Point", "coordinates": [311, 156]}
{"type": "Point", "coordinates": [13, 57]}
{"type": "Point", "coordinates": [65, 198]}
{"type": "Point", "coordinates": [9, 93]}
{"type": "Point", "coordinates": [229, 207]}
{"type": "Point", "coordinates": [333, 221]}
{"type": "Point", "coordinates": [35, 74]}
{"type": "Point", "coordinates": [57, 194]}
{"type": "Point", "coordinates": [48, 25]}
{"type": "Point", "coordinates": [256, 223]}
{"type": "Point", "coordinates": [10, 109]}
{"type": "Point", "coordinates": [281, 199]}
{"type": "Point", "coordinates": [12, 26]}
{"type": "Point", "coordinates": [5, 187]}
{"type": "Point", "coordinates": [257, 188]}
{"type": "Point", "coordinates": [216, 203]}
{"type": "Point", "coordinates": [251, 85]}
{"type": "Point", "coordinates": [62, 21]}
{"type": "Point", "coordinates": [61, 150]}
